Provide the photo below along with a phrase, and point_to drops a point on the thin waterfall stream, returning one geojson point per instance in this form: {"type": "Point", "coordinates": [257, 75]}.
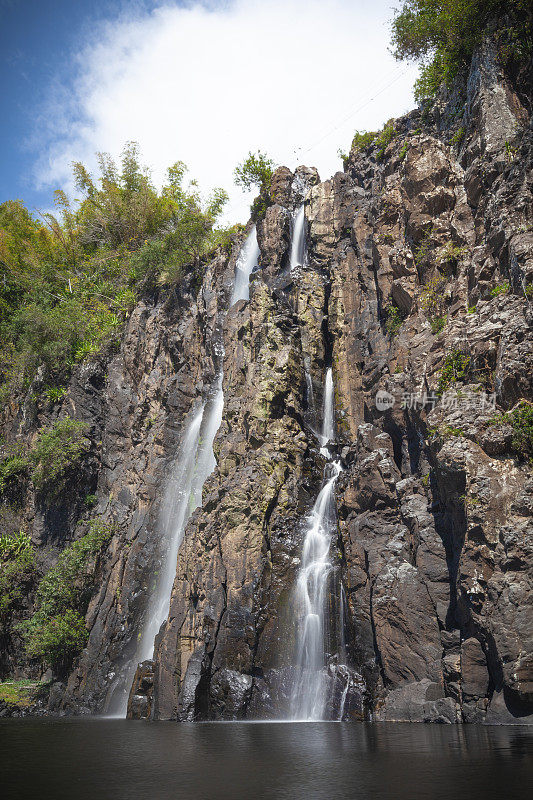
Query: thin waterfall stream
{"type": "Point", "coordinates": [196, 461]}
{"type": "Point", "coordinates": [298, 249]}
{"type": "Point", "coordinates": [246, 262]}
{"type": "Point", "coordinates": [183, 494]}
{"type": "Point", "coordinates": [309, 695]}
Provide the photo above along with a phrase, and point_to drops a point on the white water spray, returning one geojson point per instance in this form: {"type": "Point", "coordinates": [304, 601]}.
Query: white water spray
{"type": "Point", "coordinates": [196, 461]}
{"type": "Point", "coordinates": [328, 425]}
{"type": "Point", "coordinates": [247, 260]}
{"type": "Point", "coordinates": [310, 392]}
{"type": "Point", "coordinates": [310, 688]}
{"type": "Point", "coordinates": [298, 239]}
{"type": "Point", "coordinates": [183, 495]}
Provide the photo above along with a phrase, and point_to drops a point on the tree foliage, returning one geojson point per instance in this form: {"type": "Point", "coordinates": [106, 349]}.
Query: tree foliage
{"type": "Point", "coordinates": [17, 572]}
{"type": "Point", "coordinates": [68, 280]}
{"type": "Point", "coordinates": [56, 632]}
{"type": "Point", "coordinates": [443, 34]}
{"type": "Point", "coordinates": [57, 450]}
{"type": "Point", "coordinates": [256, 170]}
{"type": "Point", "coordinates": [521, 421]}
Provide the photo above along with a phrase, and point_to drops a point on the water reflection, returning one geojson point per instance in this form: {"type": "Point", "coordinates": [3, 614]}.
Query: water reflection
{"type": "Point", "coordinates": [117, 759]}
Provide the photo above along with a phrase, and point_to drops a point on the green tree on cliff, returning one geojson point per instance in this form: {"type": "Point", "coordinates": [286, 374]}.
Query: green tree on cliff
{"type": "Point", "coordinates": [256, 170]}
{"type": "Point", "coordinates": [69, 279]}
{"type": "Point", "coordinates": [443, 35]}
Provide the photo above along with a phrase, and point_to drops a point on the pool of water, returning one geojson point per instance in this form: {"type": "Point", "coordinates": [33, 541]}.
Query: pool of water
{"type": "Point", "coordinates": [80, 759]}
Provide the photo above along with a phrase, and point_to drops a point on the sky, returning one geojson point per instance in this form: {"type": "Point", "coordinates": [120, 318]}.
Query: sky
{"type": "Point", "coordinates": [199, 82]}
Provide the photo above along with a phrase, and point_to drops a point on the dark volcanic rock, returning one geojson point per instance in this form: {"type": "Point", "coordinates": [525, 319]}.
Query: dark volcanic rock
{"type": "Point", "coordinates": [141, 693]}
{"type": "Point", "coordinates": [415, 286]}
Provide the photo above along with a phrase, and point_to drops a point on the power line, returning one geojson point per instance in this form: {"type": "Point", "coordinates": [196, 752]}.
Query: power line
{"type": "Point", "coordinates": [394, 71]}
{"type": "Point", "coordinates": [355, 111]}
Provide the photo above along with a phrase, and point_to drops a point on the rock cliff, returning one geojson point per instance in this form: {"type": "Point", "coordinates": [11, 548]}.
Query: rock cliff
{"type": "Point", "coordinates": [416, 289]}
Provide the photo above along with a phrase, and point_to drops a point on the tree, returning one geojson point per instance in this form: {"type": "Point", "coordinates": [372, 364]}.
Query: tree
{"type": "Point", "coordinates": [256, 170]}
{"type": "Point", "coordinates": [68, 280]}
{"type": "Point", "coordinates": [56, 631]}
{"type": "Point", "coordinates": [443, 34]}
{"type": "Point", "coordinates": [57, 450]}
{"type": "Point", "coordinates": [125, 208]}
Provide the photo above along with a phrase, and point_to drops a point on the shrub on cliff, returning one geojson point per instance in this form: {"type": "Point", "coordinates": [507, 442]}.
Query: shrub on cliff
{"type": "Point", "coordinates": [521, 421]}
{"type": "Point", "coordinates": [384, 138]}
{"type": "Point", "coordinates": [256, 170]}
{"type": "Point", "coordinates": [13, 469]}
{"type": "Point", "coordinates": [433, 298]}
{"type": "Point", "coordinates": [17, 573]}
{"type": "Point", "coordinates": [56, 632]}
{"type": "Point", "coordinates": [362, 140]}
{"type": "Point", "coordinates": [443, 35]}
{"type": "Point", "coordinates": [394, 319]}
{"type": "Point", "coordinates": [455, 369]}
{"type": "Point", "coordinates": [57, 450]}
{"type": "Point", "coordinates": [15, 544]}
{"type": "Point", "coordinates": [55, 641]}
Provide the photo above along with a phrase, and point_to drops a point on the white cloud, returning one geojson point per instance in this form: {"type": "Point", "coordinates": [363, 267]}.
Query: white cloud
{"type": "Point", "coordinates": [207, 83]}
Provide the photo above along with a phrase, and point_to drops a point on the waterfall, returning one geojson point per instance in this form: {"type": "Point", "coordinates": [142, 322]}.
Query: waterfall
{"type": "Point", "coordinates": [183, 494]}
{"type": "Point", "coordinates": [310, 392]}
{"type": "Point", "coordinates": [310, 687]}
{"type": "Point", "coordinates": [247, 260]}
{"type": "Point", "coordinates": [298, 238]}
{"type": "Point", "coordinates": [343, 698]}
{"type": "Point", "coordinates": [195, 462]}
{"type": "Point", "coordinates": [178, 496]}
{"type": "Point", "coordinates": [328, 426]}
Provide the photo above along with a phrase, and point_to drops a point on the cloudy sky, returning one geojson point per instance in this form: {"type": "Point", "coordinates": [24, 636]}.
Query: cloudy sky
{"type": "Point", "coordinates": [199, 82]}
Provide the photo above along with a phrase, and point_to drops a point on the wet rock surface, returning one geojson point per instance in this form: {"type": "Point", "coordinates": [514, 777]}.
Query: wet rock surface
{"type": "Point", "coordinates": [417, 285]}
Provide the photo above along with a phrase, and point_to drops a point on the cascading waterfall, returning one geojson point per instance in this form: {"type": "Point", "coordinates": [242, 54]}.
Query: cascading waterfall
{"type": "Point", "coordinates": [298, 250]}
{"type": "Point", "coordinates": [247, 260]}
{"type": "Point", "coordinates": [178, 495]}
{"type": "Point", "coordinates": [196, 461]}
{"type": "Point", "coordinates": [309, 694]}
{"type": "Point", "coordinates": [328, 425]}
{"type": "Point", "coordinates": [310, 392]}
{"type": "Point", "coordinates": [183, 495]}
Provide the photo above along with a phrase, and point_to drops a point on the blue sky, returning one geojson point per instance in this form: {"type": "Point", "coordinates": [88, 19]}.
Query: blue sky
{"type": "Point", "coordinates": [37, 42]}
{"type": "Point", "coordinates": [198, 82]}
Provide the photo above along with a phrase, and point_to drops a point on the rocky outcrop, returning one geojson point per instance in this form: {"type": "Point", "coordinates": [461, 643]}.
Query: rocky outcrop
{"type": "Point", "coordinates": [416, 290]}
{"type": "Point", "coordinates": [435, 516]}
{"type": "Point", "coordinates": [434, 506]}
{"type": "Point", "coordinates": [227, 645]}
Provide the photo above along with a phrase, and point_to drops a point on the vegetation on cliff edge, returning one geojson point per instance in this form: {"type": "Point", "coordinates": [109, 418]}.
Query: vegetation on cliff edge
{"type": "Point", "coordinates": [68, 280]}
{"type": "Point", "coordinates": [443, 34]}
{"type": "Point", "coordinates": [56, 632]}
{"type": "Point", "coordinates": [256, 170]}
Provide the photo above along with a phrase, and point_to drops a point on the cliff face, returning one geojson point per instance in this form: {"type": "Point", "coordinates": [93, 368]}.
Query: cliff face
{"type": "Point", "coordinates": [434, 533]}
{"type": "Point", "coordinates": [415, 290]}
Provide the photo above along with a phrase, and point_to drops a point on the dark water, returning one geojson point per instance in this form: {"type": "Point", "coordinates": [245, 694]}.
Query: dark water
{"type": "Point", "coordinates": [115, 760]}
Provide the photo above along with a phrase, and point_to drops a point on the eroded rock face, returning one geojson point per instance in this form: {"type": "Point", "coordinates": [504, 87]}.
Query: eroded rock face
{"type": "Point", "coordinates": [227, 641]}
{"type": "Point", "coordinates": [434, 505]}
{"type": "Point", "coordinates": [415, 286]}
{"type": "Point", "coordinates": [141, 693]}
{"type": "Point", "coordinates": [436, 521]}
{"type": "Point", "coordinates": [434, 536]}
